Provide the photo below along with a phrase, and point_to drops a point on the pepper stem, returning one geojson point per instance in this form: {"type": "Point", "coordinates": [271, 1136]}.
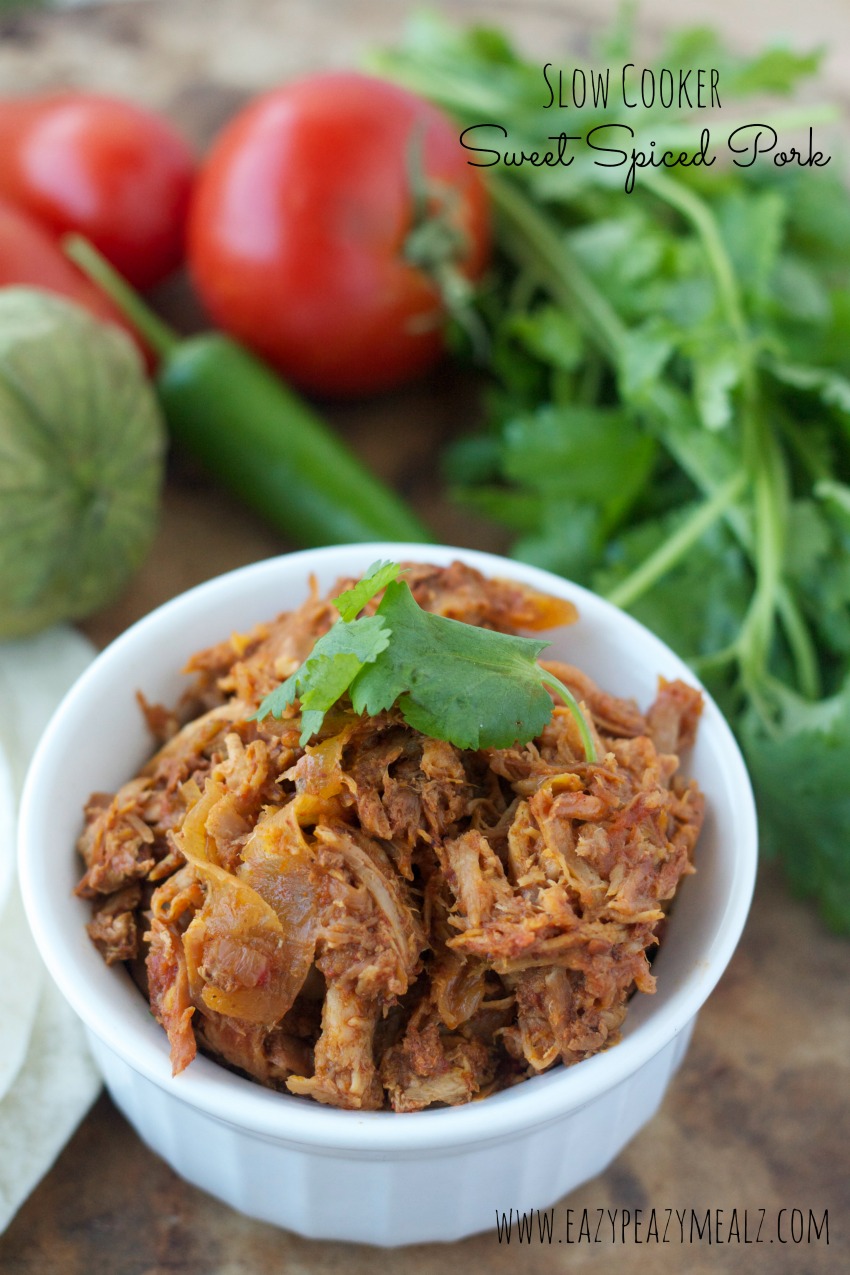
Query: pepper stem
{"type": "Point", "coordinates": [158, 336]}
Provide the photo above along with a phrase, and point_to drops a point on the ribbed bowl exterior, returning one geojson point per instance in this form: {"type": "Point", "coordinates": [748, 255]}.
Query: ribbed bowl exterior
{"type": "Point", "coordinates": [375, 1198]}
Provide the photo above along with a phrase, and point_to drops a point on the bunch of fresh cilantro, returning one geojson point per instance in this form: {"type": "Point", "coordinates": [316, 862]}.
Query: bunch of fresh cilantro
{"type": "Point", "coordinates": [668, 403]}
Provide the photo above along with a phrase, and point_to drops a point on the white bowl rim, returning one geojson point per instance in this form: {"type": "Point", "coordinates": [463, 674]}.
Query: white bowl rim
{"type": "Point", "coordinates": [246, 1105]}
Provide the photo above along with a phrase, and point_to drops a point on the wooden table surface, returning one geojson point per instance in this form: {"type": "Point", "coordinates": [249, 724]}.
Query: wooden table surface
{"type": "Point", "coordinates": [758, 1118]}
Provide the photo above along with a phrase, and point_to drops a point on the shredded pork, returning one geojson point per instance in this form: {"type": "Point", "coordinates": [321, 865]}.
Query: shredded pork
{"type": "Point", "coordinates": [381, 919]}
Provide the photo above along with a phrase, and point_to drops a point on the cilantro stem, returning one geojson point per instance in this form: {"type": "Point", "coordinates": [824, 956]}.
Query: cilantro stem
{"type": "Point", "coordinates": [572, 704]}
{"type": "Point", "coordinates": [703, 664]}
{"type": "Point", "coordinates": [697, 212]}
{"type": "Point", "coordinates": [805, 456]}
{"type": "Point", "coordinates": [590, 381]}
{"type": "Point", "coordinates": [763, 457]}
{"type": "Point", "coordinates": [800, 642]}
{"type": "Point", "coordinates": [560, 270]}
{"type": "Point", "coordinates": [680, 443]}
{"type": "Point", "coordinates": [458, 94]}
{"type": "Point", "coordinates": [668, 554]}
{"type": "Point", "coordinates": [769, 543]}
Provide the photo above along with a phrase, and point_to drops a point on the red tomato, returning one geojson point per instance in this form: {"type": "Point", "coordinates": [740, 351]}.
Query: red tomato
{"type": "Point", "coordinates": [109, 169]}
{"type": "Point", "coordinates": [29, 257]}
{"type": "Point", "coordinates": [298, 227]}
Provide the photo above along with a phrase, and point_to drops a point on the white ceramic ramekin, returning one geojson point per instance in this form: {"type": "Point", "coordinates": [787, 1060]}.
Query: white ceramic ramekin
{"type": "Point", "coordinates": [376, 1177]}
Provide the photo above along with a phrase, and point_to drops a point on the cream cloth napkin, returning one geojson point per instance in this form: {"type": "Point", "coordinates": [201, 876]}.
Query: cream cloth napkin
{"type": "Point", "coordinates": [47, 1078]}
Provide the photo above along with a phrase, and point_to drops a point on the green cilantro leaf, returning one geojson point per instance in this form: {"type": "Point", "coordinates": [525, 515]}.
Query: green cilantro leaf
{"type": "Point", "coordinates": [646, 351]}
{"type": "Point", "coordinates": [470, 686]}
{"type": "Point", "coordinates": [453, 681]}
{"type": "Point", "coordinates": [352, 601]}
{"type": "Point", "coordinates": [716, 373]}
{"type": "Point", "coordinates": [802, 769]}
{"type": "Point", "coordinates": [752, 225]}
{"type": "Point", "coordinates": [337, 657]}
{"type": "Point", "coordinates": [330, 677]}
{"type": "Point", "coordinates": [328, 671]}
{"type": "Point", "coordinates": [587, 455]}
{"type": "Point", "coordinates": [777, 71]}
{"type": "Point", "coordinates": [551, 334]}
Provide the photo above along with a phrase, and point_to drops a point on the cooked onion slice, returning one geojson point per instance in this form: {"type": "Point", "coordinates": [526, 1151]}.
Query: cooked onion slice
{"type": "Point", "coordinates": [246, 956]}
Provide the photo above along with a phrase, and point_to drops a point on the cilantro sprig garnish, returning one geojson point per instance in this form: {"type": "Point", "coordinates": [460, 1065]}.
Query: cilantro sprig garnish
{"type": "Point", "coordinates": [472, 687]}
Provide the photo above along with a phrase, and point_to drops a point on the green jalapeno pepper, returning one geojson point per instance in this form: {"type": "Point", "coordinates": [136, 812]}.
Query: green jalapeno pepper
{"type": "Point", "coordinates": [252, 433]}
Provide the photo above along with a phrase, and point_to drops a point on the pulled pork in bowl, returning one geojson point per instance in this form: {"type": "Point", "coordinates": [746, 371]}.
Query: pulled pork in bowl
{"type": "Point", "coordinates": [401, 936]}
{"type": "Point", "coordinates": [380, 918]}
